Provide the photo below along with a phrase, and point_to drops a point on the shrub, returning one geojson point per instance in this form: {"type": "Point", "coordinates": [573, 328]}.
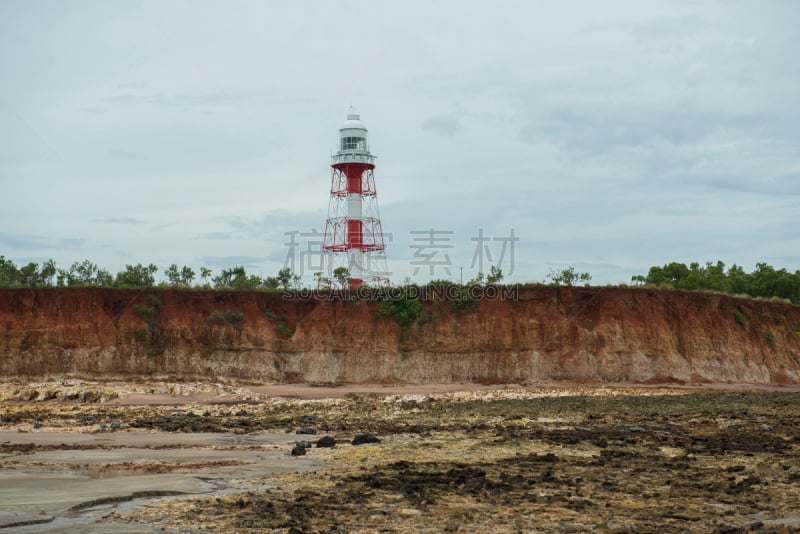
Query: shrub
{"type": "Point", "coordinates": [230, 317]}
{"type": "Point", "coordinates": [404, 309]}
{"type": "Point", "coordinates": [152, 336]}
{"type": "Point", "coordinates": [284, 329]}
{"type": "Point", "coordinates": [770, 337]}
{"type": "Point", "coordinates": [464, 302]}
{"type": "Point", "coordinates": [738, 317]}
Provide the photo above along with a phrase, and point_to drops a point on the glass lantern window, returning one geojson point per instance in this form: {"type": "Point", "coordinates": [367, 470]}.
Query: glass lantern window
{"type": "Point", "coordinates": [354, 143]}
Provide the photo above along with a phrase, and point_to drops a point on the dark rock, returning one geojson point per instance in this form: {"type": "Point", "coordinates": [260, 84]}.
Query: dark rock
{"type": "Point", "coordinates": [115, 425]}
{"type": "Point", "coordinates": [306, 430]}
{"type": "Point", "coordinates": [298, 450]}
{"type": "Point", "coordinates": [636, 429]}
{"type": "Point", "coordinates": [326, 441]}
{"type": "Point", "coordinates": [361, 439]}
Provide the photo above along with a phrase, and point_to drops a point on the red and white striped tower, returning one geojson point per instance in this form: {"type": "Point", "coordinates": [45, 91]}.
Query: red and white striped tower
{"type": "Point", "coordinates": [353, 233]}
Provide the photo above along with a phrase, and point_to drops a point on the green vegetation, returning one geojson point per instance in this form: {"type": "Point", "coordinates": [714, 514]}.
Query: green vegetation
{"type": "Point", "coordinates": [180, 278]}
{"type": "Point", "coordinates": [281, 326]}
{"type": "Point", "coordinates": [764, 281]}
{"type": "Point", "coordinates": [149, 314]}
{"type": "Point", "coordinates": [136, 276]}
{"type": "Point", "coordinates": [232, 318]}
{"type": "Point", "coordinates": [85, 273]}
{"type": "Point", "coordinates": [464, 302]}
{"type": "Point", "coordinates": [739, 318]}
{"type": "Point", "coordinates": [237, 279]}
{"type": "Point", "coordinates": [139, 276]}
{"type": "Point", "coordinates": [403, 307]}
{"type": "Point", "coordinates": [770, 337]}
{"type": "Point", "coordinates": [459, 296]}
{"type": "Point", "coordinates": [495, 276]}
{"type": "Point", "coordinates": [342, 275]}
{"type": "Point", "coordinates": [153, 335]}
{"type": "Point", "coordinates": [28, 276]}
{"type": "Point", "coordinates": [567, 277]}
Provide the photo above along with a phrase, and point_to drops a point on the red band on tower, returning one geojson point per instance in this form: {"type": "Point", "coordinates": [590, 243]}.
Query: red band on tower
{"type": "Point", "coordinates": [353, 230]}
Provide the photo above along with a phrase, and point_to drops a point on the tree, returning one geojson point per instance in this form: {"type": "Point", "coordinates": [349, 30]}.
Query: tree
{"type": "Point", "coordinates": [737, 281]}
{"type": "Point", "coordinates": [205, 276]}
{"type": "Point", "coordinates": [567, 277]}
{"type": "Point", "coordinates": [29, 275]}
{"type": "Point", "coordinates": [342, 276]}
{"type": "Point", "coordinates": [764, 281]}
{"type": "Point", "coordinates": [179, 278]}
{"type": "Point", "coordinates": [137, 276]}
{"type": "Point", "coordinates": [48, 273]}
{"type": "Point", "coordinates": [287, 279]}
{"type": "Point", "coordinates": [187, 275]}
{"type": "Point", "coordinates": [495, 275]}
{"type": "Point", "coordinates": [237, 278]}
{"type": "Point", "coordinates": [323, 282]}
{"type": "Point", "coordinates": [85, 273]}
{"type": "Point", "coordinates": [9, 274]}
{"type": "Point", "coordinates": [173, 275]}
{"type": "Point", "coordinates": [477, 281]}
{"type": "Point", "coordinates": [638, 280]}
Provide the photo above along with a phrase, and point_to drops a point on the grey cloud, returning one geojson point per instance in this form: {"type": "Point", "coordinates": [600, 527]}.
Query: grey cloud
{"type": "Point", "coordinates": [122, 154]}
{"type": "Point", "coordinates": [766, 183]}
{"type": "Point", "coordinates": [596, 132]}
{"type": "Point", "coordinates": [668, 27]}
{"type": "Point", "coordinates": [176, 100]}
{"type": "Point", "coordinates": [119, 220]}
{"type": "Point", "coordinates": [444, 124]}
{"type": "Point", "coordinates": [132, 85]}
{"type": "Point", "coordinates": [215, 235]}
{"type": "Point", "coordinates": [34, 242]}
{"type": "Point", "coordinates": [276, 223]}
{"type": "Point", "coordinates": [94, 110]}
{"type": "Point", "coordinates": [665, 131]}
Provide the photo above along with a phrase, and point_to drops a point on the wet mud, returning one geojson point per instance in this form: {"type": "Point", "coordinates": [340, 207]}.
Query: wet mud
{"type": "Point", "coordinates": [571, 459]}
{"type": "Point", "coordinates": [706, 462]}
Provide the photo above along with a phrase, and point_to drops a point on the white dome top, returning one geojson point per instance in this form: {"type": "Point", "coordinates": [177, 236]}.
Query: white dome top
{"type": "Point", "coordinates": [353, 122]}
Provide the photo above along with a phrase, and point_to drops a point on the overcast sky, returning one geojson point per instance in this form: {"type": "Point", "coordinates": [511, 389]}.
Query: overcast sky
{"type": "Point", "coordinates": [610, 136]}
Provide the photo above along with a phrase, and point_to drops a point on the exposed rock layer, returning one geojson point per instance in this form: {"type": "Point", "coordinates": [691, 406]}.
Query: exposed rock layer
{"type": "Point", "coordinates": [546, 333]}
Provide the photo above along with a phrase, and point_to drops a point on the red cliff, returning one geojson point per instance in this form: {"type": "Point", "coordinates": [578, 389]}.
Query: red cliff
{"type": "Point", "coordinates": [546, 333]}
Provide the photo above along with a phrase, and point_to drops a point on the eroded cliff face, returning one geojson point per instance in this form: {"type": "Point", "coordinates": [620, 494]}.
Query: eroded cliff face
{"type": "Point", "coordinates": [547, 333]}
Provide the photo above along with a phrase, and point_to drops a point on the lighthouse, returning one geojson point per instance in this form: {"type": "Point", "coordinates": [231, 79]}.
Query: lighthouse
{"type": "Point", "coordinates": [353, 232]}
